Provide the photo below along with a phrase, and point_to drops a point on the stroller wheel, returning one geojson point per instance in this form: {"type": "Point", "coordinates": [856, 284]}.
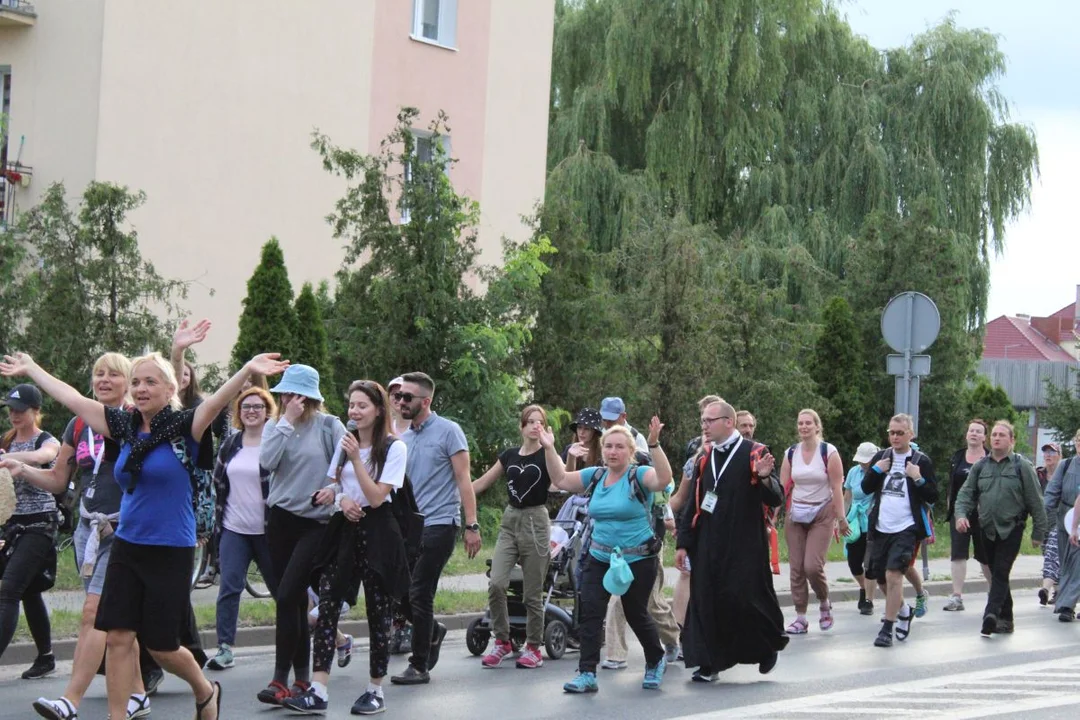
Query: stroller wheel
{"type": "Point", "coordinates": [556, 635]}
{"type": "Point", "coordinates": [476, 638]}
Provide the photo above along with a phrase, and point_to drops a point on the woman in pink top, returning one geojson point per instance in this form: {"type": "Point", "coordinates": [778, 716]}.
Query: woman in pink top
{"type": "Point", "coordinates": [814, 476]}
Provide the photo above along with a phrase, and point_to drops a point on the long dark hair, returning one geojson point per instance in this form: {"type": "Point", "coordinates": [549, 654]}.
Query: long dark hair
{"type": "Point", "coordinates": [191, 394]}
{"type": "Point", "coordinates": [381, 434]}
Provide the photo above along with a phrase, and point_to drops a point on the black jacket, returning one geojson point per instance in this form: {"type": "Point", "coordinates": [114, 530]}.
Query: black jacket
{"type": "Point", "coordinates": [918, 495]}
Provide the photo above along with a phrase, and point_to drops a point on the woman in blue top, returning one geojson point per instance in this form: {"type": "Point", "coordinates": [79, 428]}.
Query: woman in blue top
{"type": "Point", "coordinates": [146, 590]}
{"type": "Point", "coordinates": [619, 508]}
{"type": "Point", "coordinates": [858, 517]}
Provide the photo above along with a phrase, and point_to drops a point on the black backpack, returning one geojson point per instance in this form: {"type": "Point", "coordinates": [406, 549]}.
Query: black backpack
{"type": "Point", "coordinates": [410, 519]}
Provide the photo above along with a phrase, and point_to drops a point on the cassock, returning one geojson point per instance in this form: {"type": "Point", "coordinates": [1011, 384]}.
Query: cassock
{"type": "Point", "coordinates": [733, 616]}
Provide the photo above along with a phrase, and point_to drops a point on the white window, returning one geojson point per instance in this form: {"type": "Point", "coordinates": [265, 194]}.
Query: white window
{"type": "Point", "coordinates": [435, 21]}
{"type": "Point", "coordinates": [424, 151]}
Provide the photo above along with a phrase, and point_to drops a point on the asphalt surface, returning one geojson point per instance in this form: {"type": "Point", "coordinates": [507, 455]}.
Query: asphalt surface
{"type": "Point", "coordinates": [945, 669]}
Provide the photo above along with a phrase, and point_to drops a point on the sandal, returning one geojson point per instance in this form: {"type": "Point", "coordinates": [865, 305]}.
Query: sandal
{"type": "Point", "coordinates": [826, 621]}
{"type": "Point", "coordinates": [215, 697]}
{"type": "Point", "coordinates": [798, 627]}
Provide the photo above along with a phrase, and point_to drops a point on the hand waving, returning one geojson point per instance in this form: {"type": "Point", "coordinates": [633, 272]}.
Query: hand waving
{"type": "Point", "coordinates": [655, 426]}
{"type": "Point", "coordinates": [186, 336]}
{"type": "Point", "coordinates": [267, 364]}
{"type": "Point", "coordinates": [547, 437]}
{"type": "Point", "coordinates": [18, 365]}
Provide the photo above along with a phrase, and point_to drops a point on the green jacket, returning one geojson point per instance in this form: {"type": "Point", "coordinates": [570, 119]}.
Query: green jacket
{"type": "Point", "coordinates": [1004, 499]}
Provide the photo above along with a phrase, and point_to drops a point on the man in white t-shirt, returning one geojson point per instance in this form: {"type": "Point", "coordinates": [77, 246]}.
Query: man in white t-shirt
{"type": "Point", "coordinates": [901, 481]}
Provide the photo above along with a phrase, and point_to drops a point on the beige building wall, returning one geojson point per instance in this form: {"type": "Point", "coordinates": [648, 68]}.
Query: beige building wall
{"type": "Point", "coordinates": [56, 73]}
{"type": "Point", "coordinates": [516, 122]}
{"type": "Point", "coordinates": [209, 108]}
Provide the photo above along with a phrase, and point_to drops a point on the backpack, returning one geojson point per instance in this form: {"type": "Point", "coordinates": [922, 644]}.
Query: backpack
{"type": "Point", "coordinates": [409, 518]}
{"type": "Point", "coordinates": [647, 500]}
{"type": "Point", "coordinates": [823, 448]}
{"type": "Point", "coordinates": [203, 493]}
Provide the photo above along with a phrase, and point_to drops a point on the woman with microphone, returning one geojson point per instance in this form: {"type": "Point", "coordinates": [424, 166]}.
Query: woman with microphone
{"type": "Point", "coordinates": [363, 544]}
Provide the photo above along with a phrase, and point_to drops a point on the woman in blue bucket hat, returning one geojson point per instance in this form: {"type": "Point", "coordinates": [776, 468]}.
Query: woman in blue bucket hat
{"type": "Point", "coordinates": [623, 554]}
{"type": "Point", "coordinates": [298, 447]}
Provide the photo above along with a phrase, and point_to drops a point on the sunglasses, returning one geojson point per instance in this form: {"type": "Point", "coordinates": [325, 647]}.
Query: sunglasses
{"type": "Point", "coordinates": [407, 397]}
{"type": "Point", "coordinates": [897, 433]}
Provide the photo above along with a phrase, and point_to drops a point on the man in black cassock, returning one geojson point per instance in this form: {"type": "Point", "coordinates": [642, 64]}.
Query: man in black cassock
{"type": "Point", "coordinates": [734, 616]}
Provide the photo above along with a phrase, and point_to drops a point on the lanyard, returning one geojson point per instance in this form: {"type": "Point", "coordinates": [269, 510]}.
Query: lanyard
{"type": "Point", "coordinates": [97, 455]}
{"type": "Point", "coordinates": [727, 462]}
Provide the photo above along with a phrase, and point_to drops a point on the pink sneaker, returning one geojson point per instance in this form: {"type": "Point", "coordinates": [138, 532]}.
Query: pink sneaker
{"type": "Point", "coordinates": [494, 658]}
{"type": "Point", "coordinates": [530, 657]}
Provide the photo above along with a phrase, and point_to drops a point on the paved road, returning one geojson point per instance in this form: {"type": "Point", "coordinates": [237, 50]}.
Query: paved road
{"type": "Point", "coordinates": [945, 670]}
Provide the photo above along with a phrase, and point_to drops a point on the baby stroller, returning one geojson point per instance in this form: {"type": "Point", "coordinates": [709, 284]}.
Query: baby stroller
{"type": "Point", "coordinates": [568, 534]}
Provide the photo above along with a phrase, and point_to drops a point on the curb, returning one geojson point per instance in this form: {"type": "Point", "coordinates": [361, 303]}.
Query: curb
{"type": "Point", "coordinates": [24, 653]}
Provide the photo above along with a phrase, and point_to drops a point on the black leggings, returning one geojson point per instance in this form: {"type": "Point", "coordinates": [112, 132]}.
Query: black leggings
{"type": "Point", "coordinates": [294, 541]}
{"type": "Point", "coordinates": [32, 553]}
{"type": "Point", "coordinates": [856, 556]}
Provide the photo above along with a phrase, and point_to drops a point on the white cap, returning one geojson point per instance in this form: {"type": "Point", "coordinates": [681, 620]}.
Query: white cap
{"type": "Point", "coordinates": [396, 381]}
{"type": "Point", "coordinates": [866, 452]}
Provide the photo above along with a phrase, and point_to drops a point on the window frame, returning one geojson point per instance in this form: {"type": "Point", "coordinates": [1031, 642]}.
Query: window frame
{"type": "Point", "coordinates": [446, 27]}
{"type": "Point", "coordinates": [419, 135]}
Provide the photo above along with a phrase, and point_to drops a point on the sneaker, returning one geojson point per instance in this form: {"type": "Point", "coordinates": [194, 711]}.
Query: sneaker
{"type": "Point", "coordinates": [883, 639]}
{"type": "Point", "coordinates": [368, 704]}
{"type": "Point", "coordinates": [672, 653]}
{"type": "Point", "coordinates": [1005, 626]}
{"type": "Point", "coordinates": [766, 666]}
{"type": "Point", "coordinates": [955, 604]}
{"type": "Point", "coordinates": [494, 658]}
{"type": "Point", "coordinates": [920, 604]}
{"type": "Point", "coordinates": [44, 665]}
{"type": "Point", "coordinates": [704, 675]}
{"type": "Point", "coordinates": [411, 676]}
{"type": "Point", "coordinates": [436, 646]}
{"type": "Point", "coordinates": [59, 709]}
{"type": "Point", "coordinates": [989, 625]}
{"type": "Point", "coordinates": [403, 639]}
{"type": "Point", "coordinates": [585, 682]}
{"type": "Point", "coordinates": [344, 652]}
{"type": "Point", "coordinates": [1066, 615]}
{"type": "Point", "coordinates": [866, 607]}
{"type": "Point", "coordinates": [903, 622]}
{"type": "Point", "coordinates": [138, 706]}
{"type": "Point", "coordinates": [223, 660]}
{"type": "Point", "coordinates": [654, 675]}
{"type": "Point", "coordinates": [613, 664]}
{"type": "Point", "coordinates": [152, 681]}
{"type": "Point", "coordinates": [273, 694]}
{"type": "Point", "coordinates": [1044, 597]}
{"type": "Point", "coordinates": [307, 703]}
{"type": "Point", "coordinates": [531, 658]}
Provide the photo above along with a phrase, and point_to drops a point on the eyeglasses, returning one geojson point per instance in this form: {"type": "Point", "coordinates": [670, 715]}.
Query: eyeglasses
{"type": "Point", "coordinates": [248, 407]}
{"type": "Point", "coordinates": [706, 421]}
{"type": "Point", "coordinates": [407, 397]}
{"type": "Point", "coordinates": [897, 433]}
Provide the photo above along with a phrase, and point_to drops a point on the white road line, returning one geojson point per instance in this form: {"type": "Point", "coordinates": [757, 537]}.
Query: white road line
{"type": "Point", "coordinates": [962, 703]}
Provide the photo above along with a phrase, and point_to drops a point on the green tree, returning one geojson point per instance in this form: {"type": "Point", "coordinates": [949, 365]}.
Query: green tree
{"type": "Point", "coordinates": [838, 367]}
{"type": "Point", "coordinates": [1062, 411]}
{"type": "Point", "coordinates": [403, 299]}
{"type": "Point", "coordinates": [85, 274]}
{"type": "Point", "coordinates": [268, 320]}
{"type": "Point", "coordinates": [989, 402]}
{"type": "Point", "coordinates": [312, 347]}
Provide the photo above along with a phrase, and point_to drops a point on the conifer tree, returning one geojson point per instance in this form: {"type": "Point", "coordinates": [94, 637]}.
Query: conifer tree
{"type": "Point", "coordinates": [311, 347]}
{"type": "Point", "coordinates": [268, 321]}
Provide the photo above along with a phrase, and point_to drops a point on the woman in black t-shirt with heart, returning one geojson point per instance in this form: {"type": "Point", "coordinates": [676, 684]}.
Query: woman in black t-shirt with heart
{"type": "Point", "coordinates": [524, 537]}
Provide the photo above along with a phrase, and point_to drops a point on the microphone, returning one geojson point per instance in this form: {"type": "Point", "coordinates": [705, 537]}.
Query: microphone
{"type": "Point", "coordinates": [342, 459]}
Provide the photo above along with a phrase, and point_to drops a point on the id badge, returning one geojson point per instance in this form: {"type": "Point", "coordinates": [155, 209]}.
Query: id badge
{"type": "Point", "coordinates": [89, 493]}
{"type": "Point", "coordinates": [709, 503]}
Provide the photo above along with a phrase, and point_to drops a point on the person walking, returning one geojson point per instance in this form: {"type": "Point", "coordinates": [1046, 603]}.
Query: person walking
{"type": "Point", "coordinates": [297, 447]}
{"type": "Point", "coordinates": [362, 545]}
{"type": "Point", "coordinates": [622, 557]}
{"type": "Point", "coordinates": [29, 536]}
{"type": "Point", "coordinates": [1001, 490]}
{"type": "Point", "coordinates": [1063, 494]}
{"type": "Point", "coordinates": [1052, 548]}
{"type": "Point", "coordinates": [902, 482]}
{"type": "Point", "coordinates": [813, 470]}
{"type": "Point", "coordinates": [242, 486]}
{"type": "Point", "coordinates": [524, 535]}
{"type": "Point", "coordinates": [858, 517]}
{"type": "Point", "coordinates": [438, 468]}
{"type": "Point", "coordinates": [961, 543]}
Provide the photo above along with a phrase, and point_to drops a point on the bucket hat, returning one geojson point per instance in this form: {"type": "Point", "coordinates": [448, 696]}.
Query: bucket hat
{"type": "Point", "coordinates": [300, 380]}
{"type": "Point", "coordinates": [619, 576]}
{"type": "Point", "coordinates": [587, 417]}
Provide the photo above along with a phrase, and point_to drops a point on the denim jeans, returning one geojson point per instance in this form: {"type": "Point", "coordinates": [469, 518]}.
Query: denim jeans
{"type": "Point", "coordinates": [235, 553]}
{"type": "Point", "coordinates": [438, 546]}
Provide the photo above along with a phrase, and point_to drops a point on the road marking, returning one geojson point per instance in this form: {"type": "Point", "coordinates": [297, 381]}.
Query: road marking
{"type": "Point", "coordinates": [964, 695]}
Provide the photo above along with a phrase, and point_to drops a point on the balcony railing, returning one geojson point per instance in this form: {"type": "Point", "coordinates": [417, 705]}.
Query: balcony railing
{"type": "Point", "coordinates": [17, 13]}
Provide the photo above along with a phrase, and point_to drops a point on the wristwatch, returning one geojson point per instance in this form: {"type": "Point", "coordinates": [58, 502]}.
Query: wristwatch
{"type": "Point", "coordinates": [475, 527]}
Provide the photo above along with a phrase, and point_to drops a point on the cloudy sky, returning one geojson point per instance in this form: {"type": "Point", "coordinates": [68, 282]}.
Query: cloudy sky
{"type": "Point", "coordinates": [1040, 268]}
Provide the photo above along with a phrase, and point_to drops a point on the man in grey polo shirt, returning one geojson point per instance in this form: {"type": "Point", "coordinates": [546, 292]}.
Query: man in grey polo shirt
{"type": "Point", "coordinates": [438, 468]}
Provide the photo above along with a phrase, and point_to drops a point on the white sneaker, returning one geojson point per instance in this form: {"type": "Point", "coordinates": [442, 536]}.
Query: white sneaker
{"type": "Point", "coordinates": [613, 664]}
{"type": "Point", "coordinates": [955, 604]}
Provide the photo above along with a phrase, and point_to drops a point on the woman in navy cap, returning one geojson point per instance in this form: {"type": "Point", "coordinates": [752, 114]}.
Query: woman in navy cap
{"type": "Point", "coordinates": [30, 535]}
